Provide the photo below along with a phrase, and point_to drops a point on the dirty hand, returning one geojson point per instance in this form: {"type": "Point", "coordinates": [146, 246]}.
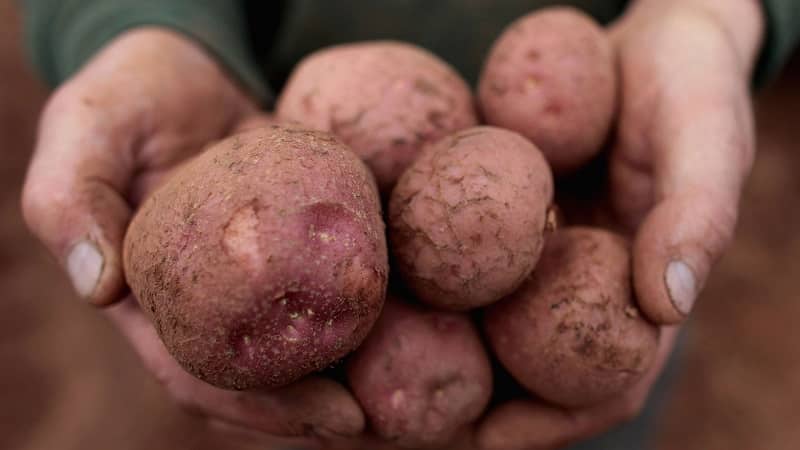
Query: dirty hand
{"type": "Point", "coordinates": [147, 101]}
{"type": "Point", "coordinates": [684, 146]}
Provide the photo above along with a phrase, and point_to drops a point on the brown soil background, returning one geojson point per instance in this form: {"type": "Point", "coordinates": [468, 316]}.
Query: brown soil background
{"type": "Point", "coordinates": [68, 381]}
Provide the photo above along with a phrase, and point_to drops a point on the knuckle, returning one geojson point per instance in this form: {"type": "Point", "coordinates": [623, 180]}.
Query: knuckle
{"type": "Point", "coordinates": [87, 105]}
{"type": "Point", "coordinates": [65, 99]}
{"type": "Point", "coordinates": [33, 204]}
{"type": "Point", "coordinates": [40, 205]}
{"type": "Point", "coordinates": [163, 376]}
{"type": "Point", "coordinates": [719, 226]}
{"type": "Point", "coordinates": [177, 393]}
{"type": "Point", "coordinates": [47, 206]}
{"type": "Point", "coordinates": [631, 408]}
{"type": "Point", "coordinates": [176, 385]}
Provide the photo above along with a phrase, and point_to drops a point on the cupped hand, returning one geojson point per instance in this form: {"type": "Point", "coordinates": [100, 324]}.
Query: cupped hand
{"type": "Point", "coordinates": [146, 102]}
{"type": "Point", "coordinates": [685, 141]}
{"type": "Point", "coordinates": [683, 147]}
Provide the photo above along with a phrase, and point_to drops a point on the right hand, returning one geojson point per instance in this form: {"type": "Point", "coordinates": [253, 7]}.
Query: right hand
{"type": "Point", "coordinates": [146, 102]}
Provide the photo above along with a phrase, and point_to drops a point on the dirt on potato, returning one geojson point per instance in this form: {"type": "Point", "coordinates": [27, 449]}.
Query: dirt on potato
{"type": "Point", "coordinates": [572, 333]}
{"type": "Point", "coordinates": [550, 76]}
{"type": "Point", "coordinates": [385, 99]}
{"type": "Point", "coordinates": [467, 219]}
{"type": "Point", "coordinates": [263, 259]}
{"type": "Point", "coordinates": [421, 375]}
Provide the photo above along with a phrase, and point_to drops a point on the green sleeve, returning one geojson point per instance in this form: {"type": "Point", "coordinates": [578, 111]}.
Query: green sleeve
{"type": "Point", "coordinates": [783, 32]}
{"type": "Point", "coordinates": [63, 34]}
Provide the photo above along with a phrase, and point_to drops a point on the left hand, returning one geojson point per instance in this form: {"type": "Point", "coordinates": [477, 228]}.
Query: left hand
{"type": "Point", "coordinates": [684, 146]}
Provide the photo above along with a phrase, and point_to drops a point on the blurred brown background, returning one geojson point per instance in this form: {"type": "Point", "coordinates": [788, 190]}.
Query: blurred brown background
{"type": "Point", "coordinates": [67, 380]}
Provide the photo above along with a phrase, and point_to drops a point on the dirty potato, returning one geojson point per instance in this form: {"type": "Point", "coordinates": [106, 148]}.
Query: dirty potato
{"type": "Point", "coordinates": [467, 220]}
{"type": "Point", "coordinates": [385, 99]}
{"type": "Point", "coordinates": [572, 334]}
{"type": "Point", "coordinates": [551, 77]}
{"type": "Point", "coordinates": [421, 375]}
{"type": "Point", "coordinates": [263, 259]}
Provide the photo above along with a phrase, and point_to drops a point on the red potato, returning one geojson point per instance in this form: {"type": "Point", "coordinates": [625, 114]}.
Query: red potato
{"type": "Point", "coordinates": [263, 259]}
{"type": "Point", "coordinates": [572, 334]}
{"type": "Point", "coordinates": [385, 99]}
{"type": "Point", "coordinates": [467, 219]}
{"type": "Point", "coordinates": [421, 375]}
{"type": "Point", "coordinates": [551, 77]}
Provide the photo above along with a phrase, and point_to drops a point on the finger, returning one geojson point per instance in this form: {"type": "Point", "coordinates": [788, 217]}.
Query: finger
{"type": "Point", "coordinates": [251, 438]}
{"type": "Point", "coordinates": [685, 146]}
{"type": "Point", "coordinates": [240, 434]}
{"type": "Point", "coordinates": [532, 425]}
{"type": "Point", "coordinates": [312, 407]}
{"type": "Point", "coordinates": [146, 183]}
{"type": "Point", "coordinates": [71, 198]}
{"type": "Point", "coordinates": [702, 160]}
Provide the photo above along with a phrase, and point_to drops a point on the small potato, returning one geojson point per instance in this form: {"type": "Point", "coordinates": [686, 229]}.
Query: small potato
{"type": "Point", "coordinates": [572, 334]}
{"type": "Point", "coordinates": [467, 219]}
{"type": "Point", "coordinates": [263, 259]}
{"type": "Point", "coordinates": [385, 99]}
{"type": "Point", "coordinates": [551, 77]}
{"type": "Point", "coordinates": [421, 375]}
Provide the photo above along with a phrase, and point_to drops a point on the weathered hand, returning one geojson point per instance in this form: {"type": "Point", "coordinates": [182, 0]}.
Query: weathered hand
{"type": "Point", "coordinates": [141, 106]}
{"type": "Point", "coordinates": [684, 146]}
{"type": "Point", "coordinates": [685, 140]}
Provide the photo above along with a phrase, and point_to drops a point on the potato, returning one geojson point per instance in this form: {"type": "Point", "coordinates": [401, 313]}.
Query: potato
{"type": "Point", "coordinates": [421, 375]}
{"type": "Point", "coordinates": [385, 99]}
{"type": "Point", "coordinates": [551, 77]}
{"type": "Point", "coordinates": [263, 259]}
{"type": "Point", "coordinates": [467, 219]}
{"type": "Point", "coordinates": [572, 334]}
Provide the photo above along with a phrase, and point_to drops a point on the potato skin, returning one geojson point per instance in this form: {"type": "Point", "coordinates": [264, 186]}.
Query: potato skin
{"type": "Point", "coordinates": [421, 375]}
{"type": "Point", "coordinates": [551, 77]}
{"type": "Point", "coordinates": [385, 99]}
{"type": "Point", "coordinates": [572, 333]}
{"type": "Point", "coordinates": [263, 259]}
{"type": "Point", "coordinates": [467, 219]}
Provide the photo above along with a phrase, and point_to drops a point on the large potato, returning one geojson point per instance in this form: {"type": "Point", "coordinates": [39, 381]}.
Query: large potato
{"type": "Point", "coordinates": [467, 219]}
{"type": "Point", "coordinates": [551, 77]}
{"type": "Point", "coordinates": [385, 99]}
{"type": "Point", "coordinates": [421, 375]}
{"type": "Point", "coordinates": [572, 333]}
{"type": "Point", "coordinates": [263, 259]}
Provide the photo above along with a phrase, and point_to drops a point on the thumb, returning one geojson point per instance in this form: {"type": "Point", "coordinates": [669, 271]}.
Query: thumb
{"type": "Point", "coordinates": [703, 153]}
{"type": "Point", "coordinates": [685, 141]}
{"type": "Point", "coordinates": [73, 198]}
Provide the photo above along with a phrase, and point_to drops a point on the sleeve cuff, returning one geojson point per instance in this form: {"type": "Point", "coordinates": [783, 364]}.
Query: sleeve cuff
{"type": "Point", "coordinates": [64, 34]}
{"type": "Point", "coordinates": [782, 33]}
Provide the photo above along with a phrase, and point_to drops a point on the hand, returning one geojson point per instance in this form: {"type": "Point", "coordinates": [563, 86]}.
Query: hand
{"type": "Point", "coordinates": [685, 142]}
{"type": "Point", "coordinates": [146, 102]}
{"type": "Point", "coordinates": [684, 146]}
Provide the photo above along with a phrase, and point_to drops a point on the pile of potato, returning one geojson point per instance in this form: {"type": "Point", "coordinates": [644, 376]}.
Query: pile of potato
{"type": "Point", "coordinates": [266, 258]}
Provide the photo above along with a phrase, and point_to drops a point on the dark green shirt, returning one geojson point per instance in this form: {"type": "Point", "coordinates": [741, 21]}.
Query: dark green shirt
{"type": "Point", "coordinates": [259, 41]}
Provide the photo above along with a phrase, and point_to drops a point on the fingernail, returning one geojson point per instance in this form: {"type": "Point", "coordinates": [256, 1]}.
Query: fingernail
{"type": "Point", "coordinates": [681, 285]}
{"type": "Point", "coordinates": [84, 266]}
